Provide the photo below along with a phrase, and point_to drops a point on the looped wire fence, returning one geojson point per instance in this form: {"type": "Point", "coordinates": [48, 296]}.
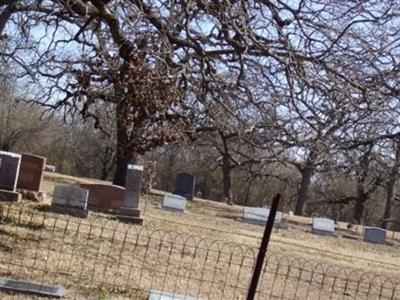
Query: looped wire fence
{"type": "Point", "coordinates": [102, 258]}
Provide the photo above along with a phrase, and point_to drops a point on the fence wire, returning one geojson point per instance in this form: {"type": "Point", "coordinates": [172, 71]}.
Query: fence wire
{"type": "Point", "coordinates": [102, 258]}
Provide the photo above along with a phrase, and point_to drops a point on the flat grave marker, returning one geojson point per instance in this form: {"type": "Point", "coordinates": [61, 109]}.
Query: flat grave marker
{"type": "Point", "coordinates": [375, 235]}
{"type": "Point", "coordinates": [174, 202]}
{"type": "Point", "coordinates": [50, 168]}
{"type": "Point", "coordinates": [159, 295]}
{"type": "Point", "coordinates": [28, 287]}
{"type": "Point", "coordinates": [323, 226]}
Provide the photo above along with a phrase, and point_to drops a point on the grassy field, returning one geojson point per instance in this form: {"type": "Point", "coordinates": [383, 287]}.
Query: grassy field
{"type": "Point", "coordinates": [177, 252]}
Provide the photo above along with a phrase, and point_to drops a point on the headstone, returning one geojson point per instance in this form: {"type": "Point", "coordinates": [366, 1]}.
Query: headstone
{"type": "Point", "coordinates": [375, 235]}
{"type": "Point", "coordinates": [9, 170]}
{"type": "Point", "coordinates": [50, 168]}
{"type": "Point", "coordinates": [28, 287]}
{"type": "Point", "coordinates": [70, 199]}
{"type": "Point", "coordinates": [259, 216]}
{"type": "Point", "coordinates": [323, 226]}
{"type": "Point", "coordinates": [31, 172]}
{"type": "Point", "coordinates": [130, 210]}
{"type": "Point", "coordinates": [104, 197]}
{"type": "Point", "coordinates": [185, 185]}
{"type": "Point", "coordinates": [159, 295]}
{"type": "Point", "coordinates": [174, 202]}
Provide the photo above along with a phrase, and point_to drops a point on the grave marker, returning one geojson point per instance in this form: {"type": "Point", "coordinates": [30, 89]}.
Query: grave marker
{"type": "Point", "coordinates": [70, 199]}
{"type": "Point", "coordinates": [28, 287]}
{"type": "Point", "coordinates": [375, 235]}
{"type": "Point", "coordinates": [104, 196]}
{"type": "Point", "coordinates": [259, 216]}
{"type": "Point", "coordinates": [323, 226]}
{"type": "Point", "coordinates": [174, 202]}
{"type": "Point", "coordinates": [31, 172]}
{"type": "Point", "coordinates": [9, 170]}
{"type": "Point", "coordinates": [185, 185]}
{"type": "Point", "coordinates": [130, 210]}
{"type": "Point", "coordinates": [159, 295]}
{"type": "Point", "coordinates": [50, 168]}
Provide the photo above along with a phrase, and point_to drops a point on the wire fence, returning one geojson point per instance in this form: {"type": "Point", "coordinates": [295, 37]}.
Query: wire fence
{"type": "Point", "coordinates": [102, 258]}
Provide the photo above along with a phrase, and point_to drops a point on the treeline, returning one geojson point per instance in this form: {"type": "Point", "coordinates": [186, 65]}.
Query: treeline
{"type": "Point", "coordinates": [252, 97]}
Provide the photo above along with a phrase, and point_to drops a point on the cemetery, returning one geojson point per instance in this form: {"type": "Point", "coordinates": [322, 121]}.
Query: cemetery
{"type": "Point", "coordinates": [79, 205]}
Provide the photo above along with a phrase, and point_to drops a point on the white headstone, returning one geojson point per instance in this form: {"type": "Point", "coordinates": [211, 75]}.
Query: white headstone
{"type": "Point", "coordinates": [375, 235]}
{"type": "Point", "coordinates": [323, 226]}
{"type": "Point", "coordinates": [9, 170]}
{"type": "Point", "coordinates": [70, 196]}
{"type": "Point", "coordinates": [174, 202]}
{"type": "Point", "coordinates": [259, 215]}
{"type": "Point", "coordinates": [158, 295]}
{"type": "Point", "coordinates": [50, 168]}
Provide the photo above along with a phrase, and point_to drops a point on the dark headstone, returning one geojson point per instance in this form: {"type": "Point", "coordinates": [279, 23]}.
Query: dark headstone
{"type": "Point", "coordinates": [375, 235]}
{"type": "Point", "coordinates": [9, 170]}
{"type": "Point", "coordinates": [185, 185]}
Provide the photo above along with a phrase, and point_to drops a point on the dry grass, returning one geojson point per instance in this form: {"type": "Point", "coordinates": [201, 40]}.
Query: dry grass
{"type": "Point", "coordinates": [101, 258]}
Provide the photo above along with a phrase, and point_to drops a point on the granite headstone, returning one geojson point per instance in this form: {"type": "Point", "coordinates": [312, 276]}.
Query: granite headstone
{"type": "Point", "coordinates": [185, 185]}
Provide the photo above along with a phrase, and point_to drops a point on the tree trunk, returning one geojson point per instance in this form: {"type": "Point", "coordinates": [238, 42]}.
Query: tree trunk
{"type": "Point", "coordinates": [359, 207]}
{"type": "Point", "coordinates": [125, 155]}
{"type": "Point", "coordinates": [362, 195]}
{"type": "Point", "coordinates": [306, 174]}
{"type": "Point", "coordinates": [390, 187]}
{"type": "Point", "coordinates": [227, 180]}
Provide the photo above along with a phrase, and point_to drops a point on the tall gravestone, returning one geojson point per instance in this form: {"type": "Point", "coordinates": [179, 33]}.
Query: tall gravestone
{"type": "Point", "coordinates": [9, 170]}
{"type": "Point", "coordinates": [130, 210]}
{"type": "Point", "coordinates": [185, 185]}
{"type": "Point", "coordinates": [31, 172]}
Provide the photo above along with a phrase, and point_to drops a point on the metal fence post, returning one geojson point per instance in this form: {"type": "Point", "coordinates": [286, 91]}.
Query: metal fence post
{"type": "Point", "coordinates": [263, 248]}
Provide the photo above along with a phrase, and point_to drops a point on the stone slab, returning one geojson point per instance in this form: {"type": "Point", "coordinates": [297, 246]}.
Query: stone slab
{"type": "Point", "coordinates": [31, 172]}
{"type": "Point", "coordinates": [9, 170]}
{"type": "Point", "coordinates": [9, 196]}
{"type": "Point", "coordinates": [185, 185]}
{"type": "Point", "coordinates": [28, 287]}
{"type": "Point", "coordinates": [323, 226]}
{"type": "Point", "coordinates": [159, 295]}
{"type": "Point", "coordinates": [104, 197]}
{"type": "Point", "coordinates": [375, 235]}
{"type": "Point", "coordinates": [131, 219]}
{"type": "Point", "coordinates": [174, 202]}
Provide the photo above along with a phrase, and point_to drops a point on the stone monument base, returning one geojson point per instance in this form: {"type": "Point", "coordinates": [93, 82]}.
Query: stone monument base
{"type": "Point", "coordinates": [130, 215]}
{"type": "Point", "coordinates": [36, 196]}
{"type": "Point", "coordinates": [73, 211]}
{"type": "Point", "coordinates": [9, 196]}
